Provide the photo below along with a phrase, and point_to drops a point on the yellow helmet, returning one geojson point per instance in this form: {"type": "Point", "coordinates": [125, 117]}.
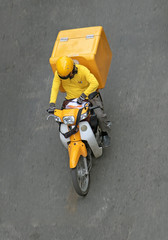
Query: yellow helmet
{"type": "Point", "coordinates": [64, 66]}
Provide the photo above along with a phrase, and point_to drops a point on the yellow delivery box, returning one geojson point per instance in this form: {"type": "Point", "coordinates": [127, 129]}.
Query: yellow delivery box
{"type": "Point", "coordinates": [86, 46]}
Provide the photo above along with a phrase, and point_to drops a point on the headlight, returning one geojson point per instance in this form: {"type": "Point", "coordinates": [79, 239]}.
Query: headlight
{"type": "Point", "coordinates": [69, 120]}
{"type": "Point", "coordinates": [57, 119]}
{"type": "Point", "coordinates": [83, 116]}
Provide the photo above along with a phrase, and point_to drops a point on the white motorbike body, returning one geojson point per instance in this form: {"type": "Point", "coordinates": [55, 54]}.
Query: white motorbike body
{"type": "Point", "coordinates": [86, 135]}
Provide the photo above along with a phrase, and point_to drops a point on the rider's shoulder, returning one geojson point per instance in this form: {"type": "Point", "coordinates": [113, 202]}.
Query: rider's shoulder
{"type": "Point", "coordinates": [56, 73]}
{"type": "Point", "coordinates": [81, 67]}
{"type": "Point", "coordinates": [56, 76]}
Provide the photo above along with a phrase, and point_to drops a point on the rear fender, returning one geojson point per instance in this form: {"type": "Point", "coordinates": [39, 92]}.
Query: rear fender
{"type": "Point", "coordinates": [76, 149]}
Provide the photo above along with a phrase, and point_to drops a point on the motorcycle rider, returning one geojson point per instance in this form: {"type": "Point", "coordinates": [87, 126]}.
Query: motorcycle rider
{"type": "Point", "coordinates": [78, 82]}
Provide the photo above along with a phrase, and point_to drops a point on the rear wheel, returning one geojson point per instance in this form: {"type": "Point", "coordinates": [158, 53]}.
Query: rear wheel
{"type": "Point", "coordinates": [81, 177]}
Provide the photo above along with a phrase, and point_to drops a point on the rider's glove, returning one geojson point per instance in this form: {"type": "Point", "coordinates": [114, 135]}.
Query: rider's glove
{"type": "Point", "coordinates": [81, 98]}
{"type": "Point", "coordinates": [51, 108]}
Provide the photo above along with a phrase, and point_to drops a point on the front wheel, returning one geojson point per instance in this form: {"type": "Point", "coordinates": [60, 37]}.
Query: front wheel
{"type": "Point", "coordinates": [81, 177]}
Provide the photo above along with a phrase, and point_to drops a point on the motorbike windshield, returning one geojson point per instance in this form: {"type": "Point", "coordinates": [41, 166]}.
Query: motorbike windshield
{"type": "Point", "coordinates": [73, 104]}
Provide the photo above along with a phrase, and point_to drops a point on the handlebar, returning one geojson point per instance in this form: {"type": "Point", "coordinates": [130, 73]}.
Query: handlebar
{"type": "Point", "coordinates": [90, 108]}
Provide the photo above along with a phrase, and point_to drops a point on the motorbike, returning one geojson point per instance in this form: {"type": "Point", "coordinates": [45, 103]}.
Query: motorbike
{"type": "Point", "coordinates": [81, 135]}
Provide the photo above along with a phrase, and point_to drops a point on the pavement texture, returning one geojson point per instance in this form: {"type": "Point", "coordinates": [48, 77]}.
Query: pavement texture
{"type": "Point", "coordinates": [128, 197]}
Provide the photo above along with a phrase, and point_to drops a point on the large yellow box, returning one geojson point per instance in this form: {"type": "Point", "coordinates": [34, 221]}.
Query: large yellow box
{"type": "Point", "coordinates": [88, 46]}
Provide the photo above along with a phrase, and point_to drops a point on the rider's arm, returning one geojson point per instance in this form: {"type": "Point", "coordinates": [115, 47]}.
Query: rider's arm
{"type": "Point", "coordinates": [93, 83]}
{"type": "Point", "coordinates": [55, 88]}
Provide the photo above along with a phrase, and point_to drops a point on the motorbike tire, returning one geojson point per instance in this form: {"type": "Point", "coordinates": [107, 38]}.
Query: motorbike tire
{"type": "Point", "coordinates": [81, 181]}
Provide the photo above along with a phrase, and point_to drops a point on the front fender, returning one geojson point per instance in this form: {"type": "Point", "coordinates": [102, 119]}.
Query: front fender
{"type": "Point", "coordinates": [76, 149]}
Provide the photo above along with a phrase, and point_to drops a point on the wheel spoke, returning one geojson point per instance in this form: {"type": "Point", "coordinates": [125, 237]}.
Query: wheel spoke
{"type": "Point", "coordinates": [82, 177]}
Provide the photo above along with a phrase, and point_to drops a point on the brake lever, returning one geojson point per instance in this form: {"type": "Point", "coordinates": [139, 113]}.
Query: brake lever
{"type": "Point", "coordinates": [94, 107]}
{"type": "Point", "coordinates": [50, 115]}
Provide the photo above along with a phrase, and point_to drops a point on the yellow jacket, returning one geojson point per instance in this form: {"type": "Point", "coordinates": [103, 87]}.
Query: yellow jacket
{"type": "Point", "coordinates": [83, 82]}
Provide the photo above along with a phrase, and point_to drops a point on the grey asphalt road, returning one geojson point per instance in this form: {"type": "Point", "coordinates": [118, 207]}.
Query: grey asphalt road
{"type": "Point", "coordinates": [128, 197]}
